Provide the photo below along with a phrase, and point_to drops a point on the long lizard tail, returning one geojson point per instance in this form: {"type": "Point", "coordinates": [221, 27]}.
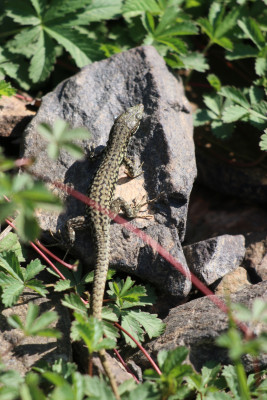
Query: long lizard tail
{"type": "Point", "coordinates": [101, 270]}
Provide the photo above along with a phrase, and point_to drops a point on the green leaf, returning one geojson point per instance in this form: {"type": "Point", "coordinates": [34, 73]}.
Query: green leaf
{"type": "Point", "coordinates": [235, 95]}
{"type": "Point", "coordinates": [62, 285]}
{"type": "Point", "coordinates": [261, 66]}
{"type": "Point", "coordinates": [100, 10]}
{"type": "Point", "coordinates": [11, 293]}
{"type": "Point", "coordinates": [9, 262]}
{"type": "Point", "coordinates": [136, 7]}
{"type": "Point", "coordinates": [22, 12]}
{"type": "Point", "coordinates": [74, 302]}
{"type": "Point", "coordinates": [44, 58]}
{"type": "Point", "coordinates": [228, 23]}
{"type": "Point", "coordinates": [132, 326]}
{"type": "Point", "coordinates": [152, 325]}
{"type": "Point", "coordinates": [90, 330]}
{"type": "Point", "coordinates": [213, 102]}
{"type": "Point", "coordinates": [251, 28]}
{"type": "Point", "coordinates": [234, 113]}
{"type": "Point", "coordinates": [6, 89]}
{"type": "Point", "coordinates": [214, 81]}
{"type": "Point", "coordinates": [97, 389]}
{"type": "Point", "coordinates": [11, 243]}
{"type": "Point", "coordinates": [195, 61]}
{"type": "Point", "coordinates": [201, 117]}
{"type": "Point", "coordinates": [174, 358]}
{"type": "Point", "coordinates": [25, 42]}
{"type": "Point", "coordinates": [79, 46]}
{"type": "Point", "coordinates": [37, 286]}
{"type": "Point", "coordinates": [242, 51]}
{"type": "Point", "coordinates": [206, 27]}
{"type": "Point", "coordinates": [33, 269]}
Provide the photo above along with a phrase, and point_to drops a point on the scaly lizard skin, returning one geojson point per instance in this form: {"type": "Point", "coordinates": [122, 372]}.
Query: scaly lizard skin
{"type": "Point", "coordinates": [102, 192]}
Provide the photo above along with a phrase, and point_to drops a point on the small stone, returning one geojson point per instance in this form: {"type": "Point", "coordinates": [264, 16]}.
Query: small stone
{"type": "Point", "coordinates": [213, 258]}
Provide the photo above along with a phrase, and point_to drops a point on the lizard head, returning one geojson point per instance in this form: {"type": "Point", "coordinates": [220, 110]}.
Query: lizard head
{"type": "Point", "coordinates": [131, 118]}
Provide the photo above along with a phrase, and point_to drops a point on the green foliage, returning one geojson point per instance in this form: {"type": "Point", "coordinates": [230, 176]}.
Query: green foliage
{"type": "Point", "coordinates": [60, 137]}
{"type": "Point", "coordinates": [231, 105]}
{"type": "Point", "coordinates": [36, 325]}
{"type": "Point", "coordinates": [25, 195]}
{"type": "Point", "coordinates": [137, 323]}
{"type": "Point", "coordinates": [14, 278]}
{"type": "Point", "coordinates": [91, 331]}
{"type": "Point", "coordinates": [6, 89]}
{"type": "Point", "coordinates": [39, 32]}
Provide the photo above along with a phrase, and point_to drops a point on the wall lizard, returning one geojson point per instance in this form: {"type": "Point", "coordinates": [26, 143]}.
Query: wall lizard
{"type": "Point", "coordinates": [102, 192]}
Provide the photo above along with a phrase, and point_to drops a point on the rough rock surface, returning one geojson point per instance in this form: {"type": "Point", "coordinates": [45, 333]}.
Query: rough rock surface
{"type": "Point", "coordinates": [93, 98]}
{"type": "Point", "coordinates": [14, 116]}
{"type": "Point", "coordinates": [211, 259]}
{"type": "Point", "coordinates": [255, 260]}
{"type": "Point", "coordinates": [232, 282]}
{"type": "Point", "coordinates": [196, 325]}
{"type": "Point", "coordinates": [22, 353]}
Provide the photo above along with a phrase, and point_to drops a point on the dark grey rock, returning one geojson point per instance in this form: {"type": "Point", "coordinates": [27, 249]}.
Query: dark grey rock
{"type": "Point", "coordinates": [213, 258]}
{"type": "Point", "coordinates": [93, 98]}
{"type": "Point", "coordinates": [22, 353]}
{"type": "Point", "coordinates": [197, 324]}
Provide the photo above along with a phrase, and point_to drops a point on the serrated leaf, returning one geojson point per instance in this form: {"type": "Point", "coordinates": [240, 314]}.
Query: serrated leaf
{"type": "Point", "coordinates": [225, 43]}
{"type": "Point", "coordinates": [11, 242]}
{"type": "Point", "coordinates": [9, 262]}
{"type": "Point", "coordinates": [242, 51]}
{"type": "Point", "coordinates": [44, 58]}
{"type": "Point", "coordinates": [234, 113]}
{"type": "Point", "coordinates": [251, 28]}
{"type": "Point", "coordinates": [37, 286]}
{"type": "Point", "coordinates": [11, 293]}
{"type": "Point", "coordinates": [261, 66]}
{"type": "Point", "coordinates": [135, 7]}
{"type": "Point", "coordinates": [22, 12]}
{"type": "Point", "coordinates": [79, 46]}
{"type": "Point", "coordinates": [132, 326]}
{"type": "Point", "coordinates": [235, 95]}
{"type": "Point", "coordinates": [33, 269]}
{"type": "Point", "coordinates": [99, 10]}
{"type": "Point", "coordinates": [175, 357]}
{"type": "Point", "coordinates": [214, 103]}
{"type": "Point", "coordinates": [74, 302]}
{"type": "Point", "coordinates": [62, 285]}
{"type": "Point", "coordinates": [195, 61]}
{"type": "Point", "coordinates": [228, 23]}
{"type": "Point", "coordinates": [263, 141]}
{"type": "Point", "coordinates": [150, 322]}
{"type": "Point", "coordinates": [256, 94]}
{"type": "Point", "coordinates": [25, 42]}
{"type": "Point", "coordinates": [206, 26]}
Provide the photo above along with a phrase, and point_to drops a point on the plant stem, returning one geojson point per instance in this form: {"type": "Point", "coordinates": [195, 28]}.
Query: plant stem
{"type": "Point", "coordinates": [242, 381]}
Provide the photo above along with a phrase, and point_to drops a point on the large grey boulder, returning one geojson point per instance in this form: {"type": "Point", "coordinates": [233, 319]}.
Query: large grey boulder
{"type": "Point", "coordinates": [164, 144]}
{"type": "Point", "coordinates": [198, 323]}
